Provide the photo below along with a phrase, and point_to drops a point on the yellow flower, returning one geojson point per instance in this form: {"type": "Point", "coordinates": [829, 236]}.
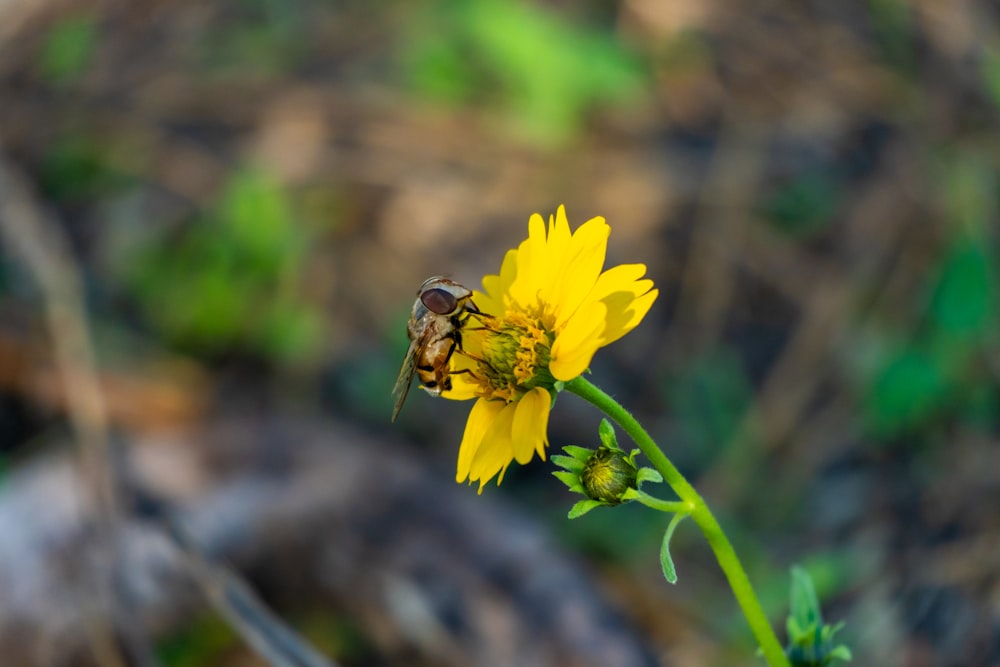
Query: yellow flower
{"type": "Point", "coordinates": [550, 309]}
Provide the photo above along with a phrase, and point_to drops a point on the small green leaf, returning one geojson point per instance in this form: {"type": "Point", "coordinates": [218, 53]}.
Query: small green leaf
{"type": "Point", "coordinates": [582, 508]}
{"type": "Point", "coordinates": [631, 494]}
{"type": "Point", "coordinates": [578, 453]}
{"type": "Point", "coordinates": [567, 462]}
{"type": "Point", "coordinates": [569, 479]}
{"type": "Point", "coordinates": [647, 475]}
{"type": "Point", "coordinates": [804, 603]}
{"type": "Point", "coordinates": [841, 653]}
{"type": "Point", "coordinates": [666, 562]}
{"type": "Point", "coordinates": [607, 434]}
{"type": "Point", "coordinates": [810, 643]}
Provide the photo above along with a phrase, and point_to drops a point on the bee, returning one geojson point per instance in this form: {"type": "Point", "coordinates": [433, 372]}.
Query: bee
{"type": "Point", "coordinates": [434, 329]}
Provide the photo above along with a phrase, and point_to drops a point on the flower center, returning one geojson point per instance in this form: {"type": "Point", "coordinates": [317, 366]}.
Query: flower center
{"type": "Point", "coordinates": [516, 350]}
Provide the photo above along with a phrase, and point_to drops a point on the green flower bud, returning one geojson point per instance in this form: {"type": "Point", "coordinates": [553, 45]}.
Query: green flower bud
{"type": "Point", "coordinates": [607, 475]}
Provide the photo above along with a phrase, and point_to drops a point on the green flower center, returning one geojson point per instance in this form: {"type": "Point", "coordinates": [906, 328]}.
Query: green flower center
{"type": "Point", "coordinates": [515, 357]}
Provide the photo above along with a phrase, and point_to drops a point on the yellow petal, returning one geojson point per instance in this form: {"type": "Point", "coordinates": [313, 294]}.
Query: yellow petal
{"type": "Point", "coordinates": [579, 275]}
{"type": "Point", "coordinates": [559, 233]}
{"type": "Point", "coordinates": [543, 426]}
{"type": "Point", "coordinates": [495, 451]}
{"type": "Point", "coordinates": [531, 264]}
{"type": "Point", "coordinates": [627, 297]}
{"type": "Point", "coordinates": [485, 301]}
{"type": "Point", "coordinates": [617, 279]}
{"type": "Point", "coordinates": [485, 305]}
{"type": "Point", "coordinates": [481, 418]}
{"type": "Point", "coordinates": [576, 344]}
{"type": "Point", "coordinates": [625, 312]}
{"type": "Point", "coordinates": [557, 249]}
{"type": "Point", "coordinates": [497, 286]}
{"type": "Point", "coordinates": [530, 421]}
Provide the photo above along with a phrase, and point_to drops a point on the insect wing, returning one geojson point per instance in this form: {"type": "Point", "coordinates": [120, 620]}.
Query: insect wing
{"type": "Point", "coordinates": [405, 378]}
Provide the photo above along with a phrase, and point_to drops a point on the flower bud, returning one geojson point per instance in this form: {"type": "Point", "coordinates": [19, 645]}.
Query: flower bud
{"type": "Point", "coordinates": [607, 475]}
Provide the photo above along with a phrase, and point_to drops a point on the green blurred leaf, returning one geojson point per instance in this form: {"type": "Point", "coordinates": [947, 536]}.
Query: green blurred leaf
{"type": "Point", "coordinates": [79, 166]}
{"type": "Point", "coordinates": [438, 71]}
{"type": "Point", "coordinates": [231, 279]}
{"type": "Point", "coordinates": [806, 205]}
{"type": "Point", "coordinates": [892, 25]}
{"type": "Point", "coordinates": [257, 215]}
{"type": "Point", "coordinates": [264, 37]}
{"type": "Point", "coordinates": [542, 72]}
{"type": "Point", "coordinates": [203, 641]}
{"type": "Point", "coordinates": [991, 72]}
{"type": "Point", "coordinates": [292, 332]}
{"type": "Point", "coordinates": [709, 398]}
{"type": "Point", "coordinates": [909, 389]}
{"type": "Point", "coordinates": [969, 186]}
{"type": "Point", "coordinates": [963, 305]}
{"type": "Point", "coordinates": [68, 48]}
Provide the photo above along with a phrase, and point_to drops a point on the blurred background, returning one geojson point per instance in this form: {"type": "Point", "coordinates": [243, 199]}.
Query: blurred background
{"type": "Point", "coordinates": [216, 215]}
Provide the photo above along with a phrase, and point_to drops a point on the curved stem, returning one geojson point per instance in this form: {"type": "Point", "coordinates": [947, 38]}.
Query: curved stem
{"type": "Point", "coordinates": [701, 515]}
{"type": "Point", "coordinates": [652, 502]}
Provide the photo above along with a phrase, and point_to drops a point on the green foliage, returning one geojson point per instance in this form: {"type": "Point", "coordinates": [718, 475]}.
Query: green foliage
{"type": "Point", "coordinates": [709, 398]}
{"type": "Point", "coordinates": [935, 371]}
{"type": "Point", "coordinates": [892, 24]}
{"type": "Point", "coordinates": [907, 391]}
{"type": "Point", "coordinates": [204, 641]}
{"type": "Point", "coordinates": [810, 642]}
{"type": "Point", "coordinates": [231, 279]}
{"type": "Point", "coordinates": [263, 37]}
{"type": "Point", "coordinates": [336, 635]}
{"type": "Point", "coordinates": [68, 48]}
{"type": "Point", "coordinates": [80, 166]}
{"type": "Point", "coordinates": [805, 205]}
{"type": "Point", "coordinates": [991, 72]}
{"type": "Point", "coordinates": [963, 303]}
{"type": "Point", "coordinates": [544, 72]}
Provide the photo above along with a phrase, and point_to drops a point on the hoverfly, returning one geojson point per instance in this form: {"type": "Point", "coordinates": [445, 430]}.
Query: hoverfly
{"type": "Point", "coordinates": [441, 308]}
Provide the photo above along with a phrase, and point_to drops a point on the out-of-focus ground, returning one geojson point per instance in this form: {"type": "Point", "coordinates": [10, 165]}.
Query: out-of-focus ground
{"type": "Point", "coordinates": [253, 191]}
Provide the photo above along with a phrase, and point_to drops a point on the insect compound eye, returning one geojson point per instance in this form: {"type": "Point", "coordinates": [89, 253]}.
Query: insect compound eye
{"type": "Point", "coordinates": [439, 301]}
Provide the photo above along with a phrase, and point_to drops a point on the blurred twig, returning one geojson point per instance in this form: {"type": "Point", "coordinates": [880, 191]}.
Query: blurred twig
{"type": "Point", "coordinates": [44, 248]}
{"type": "Point", "coordinates": [265, 632]}
{"type": "Point", "coordinates": [707, 286]}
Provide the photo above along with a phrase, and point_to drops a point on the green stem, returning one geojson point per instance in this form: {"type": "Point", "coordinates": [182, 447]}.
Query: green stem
{"type": "Point", "coordinates": [652, 502]}
{"type": "Point", "coordinates": [724, 552]}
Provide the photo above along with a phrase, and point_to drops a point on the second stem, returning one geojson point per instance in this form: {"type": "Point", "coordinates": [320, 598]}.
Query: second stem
{"type": "Point", "coordinates": [724, 552]}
